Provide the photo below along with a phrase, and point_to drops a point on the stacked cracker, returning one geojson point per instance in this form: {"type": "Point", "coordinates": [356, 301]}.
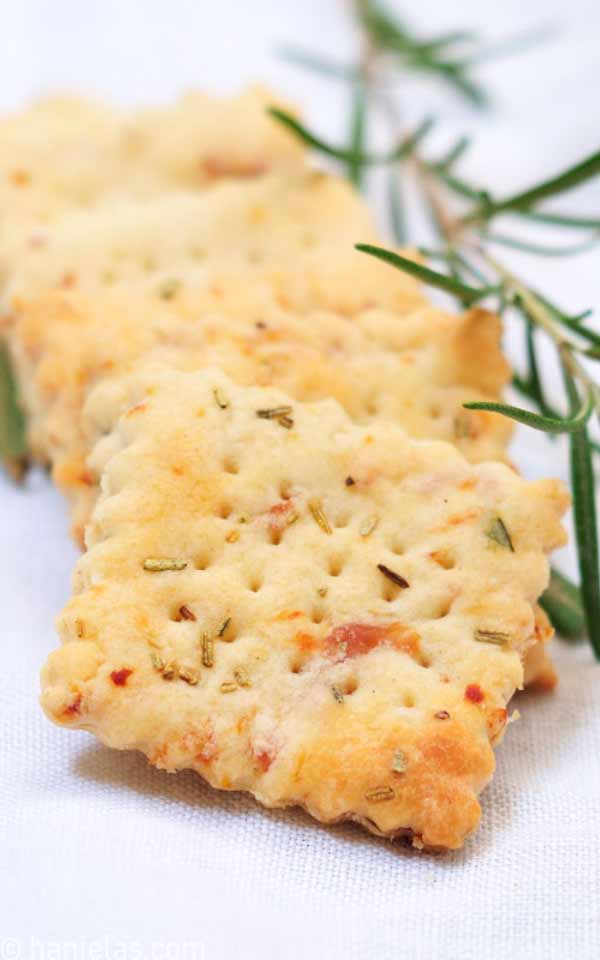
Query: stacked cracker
{"type": "Point", "coordinates": [302, 578]}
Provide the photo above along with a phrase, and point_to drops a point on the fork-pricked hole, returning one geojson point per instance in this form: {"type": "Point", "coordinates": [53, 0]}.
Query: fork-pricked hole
{"type": "Point", "coordinates": [275, 534]}
{"type": "Point", "coordinates": [203, 559]}
{"type": "Point", "coordinates": [442, 608]}
{"type": "Point", "coordinates": [285, 490]}
{"type": "Point", "coordinates": [396, 546]}
{"type": "Point", "coordinates": [231, 465]}
{"type": "Point", "coordinates": [444, 558]}
{"type": "Point", "coordinates": [318, 613]}
{"type": "Point", "coordinates": [298, 663]}
{"type": "Point", "coordinates": [255, 583]}
{"type": "Point", "coordinates": [390, 591]}
{"type": "Point", "coordinates": [335, 565]}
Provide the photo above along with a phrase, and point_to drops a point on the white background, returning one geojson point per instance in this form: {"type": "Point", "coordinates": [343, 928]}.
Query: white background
{"type": "Point", "coordinates": [105, 857]}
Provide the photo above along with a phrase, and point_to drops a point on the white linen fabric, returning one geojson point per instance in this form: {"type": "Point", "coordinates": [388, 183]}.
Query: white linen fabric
{"type": "Point", "coordinates": [105, 858]}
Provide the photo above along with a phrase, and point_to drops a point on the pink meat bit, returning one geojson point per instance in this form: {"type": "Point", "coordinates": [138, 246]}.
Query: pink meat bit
{"type": "Point", "coordinates": [264, 759]}
{"type": "Point", "coordinates": [355, 639]}
{"type": "Point", "coordinates": [278, 515]}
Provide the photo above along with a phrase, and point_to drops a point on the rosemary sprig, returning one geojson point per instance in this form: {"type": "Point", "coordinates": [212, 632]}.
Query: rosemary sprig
{"type": "Point", "coordinates": [473, 271]}
{"type": "Point", "coordinates": [586, 523]}
{"type": "Point", "coordinates": [434, 55]}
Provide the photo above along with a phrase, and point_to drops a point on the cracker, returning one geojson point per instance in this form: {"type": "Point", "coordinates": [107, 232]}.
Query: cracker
{"type": "Point", "coordinates": [180, 234]}
{"type": "Point", "coordinates": [413, 366]}
{"type": "Point", "coordinates": [300, 607]}
{"type": "Point", "coordinates": [68, 152]}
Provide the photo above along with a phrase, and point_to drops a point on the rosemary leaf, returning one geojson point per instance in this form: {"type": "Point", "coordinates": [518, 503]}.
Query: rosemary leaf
{"type": "Point", "coordinates": [586, 521]}
{"type": "Point", "coordinates": [447, 40]}
{"type": "Point", "coordinates": [460, 186]}
{"type": "Point", "coordinates": [396, 207]}
{"type": "Point", "coordinates": [357, 133]}
{"type": "Point", "coordinates": [350, 155]}
{"type": "Point", "coordinates": [396, 578]}
{"type": "Point", "coordinates": [567, 180]}
{"type": "Point", "coordinates": [561, 219]}
{"type": "Point", "coordinates": [318, 64]}
{"type": "Point", "coordinates": [495, 637]}
{"type": "Point", "coordinates": [573, 322]}
{"type": "Point", "coordinates": [468, 295]}
{"type": "Point", "coordinates": [13, 449]}
{"type": "Point", "coordinates": [497, 532]}
{"type": "Point", "coordinates": [535, 382]}
{"type": "Point", "coordinates": [542, 251]}
{"type": "Point", "coordinates": [570, 424]}
{"type": "Point", "coordinates": [453, 155]}
{"type": "Point", "coordinates": [339, 153]}
{"type": "Point", "coordinates": [563, 604]}
{"type": "Point", "coordinates": [515, 44]}
{"type": "Point", "coordinates": [409, 144]}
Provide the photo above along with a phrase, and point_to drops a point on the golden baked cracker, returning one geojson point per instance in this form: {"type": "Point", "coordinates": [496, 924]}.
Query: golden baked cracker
{"type": "Point", "coordinates": [268, 221]}
{"type": "Point", "coordinates": [293, 605]}
{"type": "Point", "coordinates": [413, 367]}
{"type": "Point", "coordinates": [66, 152]}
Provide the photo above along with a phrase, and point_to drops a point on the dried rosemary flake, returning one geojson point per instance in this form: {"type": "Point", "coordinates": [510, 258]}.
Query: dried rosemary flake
{"type": "Point", "coordinates": [169, 288]}
{"type": "Point", "coordinates": [350, 481]}
{"type": "Point", "coordinates": [286, 422]}
{"type": "Point", "coordinates": [158, 564]}
{"type": "Point", "coordinates": [168, 671]}
{"type": "Point", "coordinates": [499, 534]}
{"type": "Point", "coordinates": [228, 686]}
{"type": "Point", "coordinates": [492, 636]}
{"type": "Point", "coordinates": [399, 763]}
{"type": "Point", "coordinates": [208, 650]}
{"type": "Point", "coordinates": [317, 511]}
{"type": "Point", "coordinates": [379, 794]}
{"type": "Point", "coordinates": [220, 399]}
{"type": "Point", "coordinates": [274, 413]}
{"type": "Point", "coordinates": [157, 662]}
{"type": "Point", "coordinates": [186, 614]}
{"type": "Point", "coordinates": [391, 575]}
{"type": "Point", "coordinates": [224, 627]}
{"type": "Point", "coordinates": [189, 675]}
{"type": "Point", "coordinates": [233, 536]}
{"type": "Point", "coordinates": [291, 518]}
{"type": "Point", "coordinates": [338, 696]}
{"type": "Point", "coordinates": [242, 677]}
{"type": "Point", "coordinates": [368, 525]}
